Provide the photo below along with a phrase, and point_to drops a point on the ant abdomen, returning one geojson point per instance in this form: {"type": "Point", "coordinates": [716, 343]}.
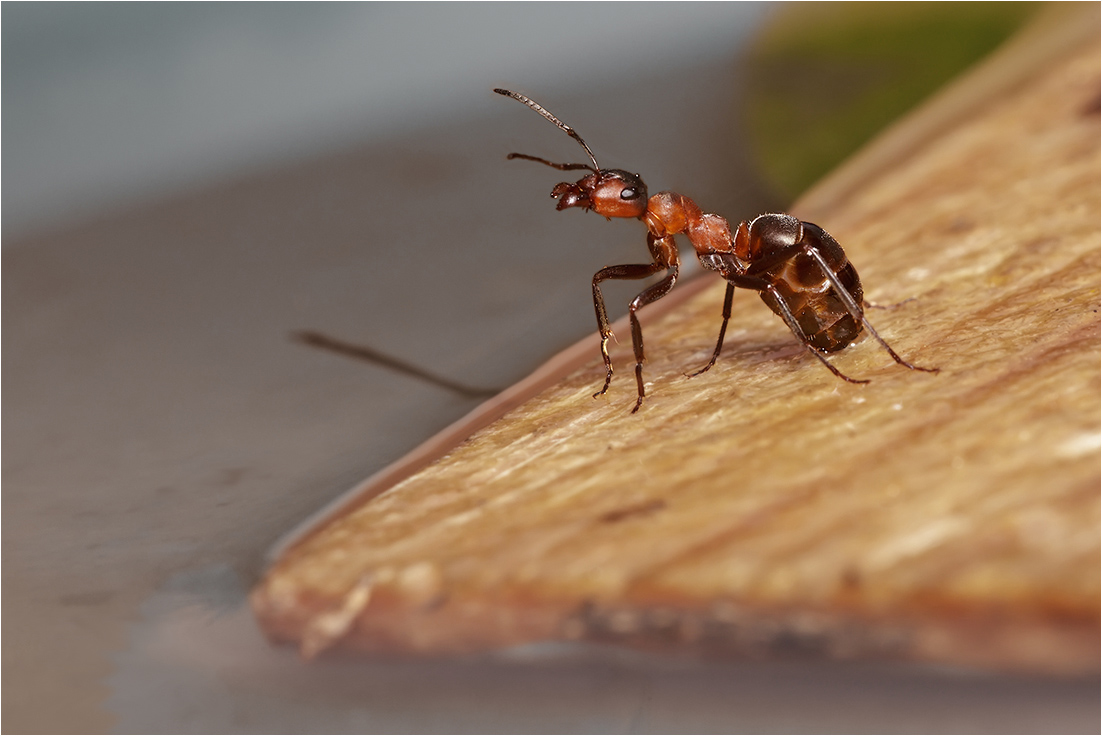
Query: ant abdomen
{"type": "Point", "coordinates": [801, 282]}
{"type": "Point", "coordinates": [822, 316]}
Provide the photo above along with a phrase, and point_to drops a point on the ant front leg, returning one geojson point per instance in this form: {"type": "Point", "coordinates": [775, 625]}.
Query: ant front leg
{"type": "Point", "coordinates": [648, 295]}
{"type": "Point", "coordinates": [856, 312]}
{"type": "Point", "coordinates": [632, 271]}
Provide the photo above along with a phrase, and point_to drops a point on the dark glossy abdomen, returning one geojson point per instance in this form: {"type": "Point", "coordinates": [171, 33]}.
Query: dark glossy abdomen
{"type": "Point", "coordinates": [822, 316]}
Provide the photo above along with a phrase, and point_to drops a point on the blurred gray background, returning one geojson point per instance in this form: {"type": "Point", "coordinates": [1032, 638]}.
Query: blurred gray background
{"type": "Point", "coordinates": [188, 184]}
{"type": "Point", "coordinates": [109, 104]}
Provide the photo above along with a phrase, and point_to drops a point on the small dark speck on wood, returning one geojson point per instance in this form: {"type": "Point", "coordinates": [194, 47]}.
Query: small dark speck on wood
{"type": "Point", "coordinates": [641, 509]}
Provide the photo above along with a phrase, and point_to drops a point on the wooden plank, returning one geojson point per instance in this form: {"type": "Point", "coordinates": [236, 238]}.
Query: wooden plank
{"type": "Point", "coordinates": [767, 508]}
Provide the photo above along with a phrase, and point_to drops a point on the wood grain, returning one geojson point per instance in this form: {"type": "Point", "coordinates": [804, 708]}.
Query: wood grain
{"type": "Point", "coordinates": [766, 508]}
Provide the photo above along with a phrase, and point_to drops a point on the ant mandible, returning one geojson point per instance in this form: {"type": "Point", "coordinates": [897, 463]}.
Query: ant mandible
{"type": "Point", "coordinates": [798, 269]}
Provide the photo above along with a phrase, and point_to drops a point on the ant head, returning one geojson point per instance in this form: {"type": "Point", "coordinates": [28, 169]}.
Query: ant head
{"type": "Point", "coordinates": [608, 192]}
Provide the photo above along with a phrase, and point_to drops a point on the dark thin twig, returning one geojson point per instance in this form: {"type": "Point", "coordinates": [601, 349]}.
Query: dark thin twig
{"type": "Point", "coordinates": [361, 352]}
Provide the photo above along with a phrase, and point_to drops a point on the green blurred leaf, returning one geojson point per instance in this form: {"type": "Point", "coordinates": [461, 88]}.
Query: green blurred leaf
{"type": "Point", "coordinates": [825, 78]}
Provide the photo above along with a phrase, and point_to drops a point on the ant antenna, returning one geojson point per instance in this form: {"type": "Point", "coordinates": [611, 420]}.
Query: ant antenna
{"type": "Point", "coordinates": [561, 125]}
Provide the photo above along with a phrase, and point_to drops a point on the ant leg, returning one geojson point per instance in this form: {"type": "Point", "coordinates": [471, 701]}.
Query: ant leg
{"type": "Point", "coordinates": [634, 271]}
{"type": "Point", "coordinates": [758, 284]}
{"type": "Point", "coordinates": [722, 330]}
{"type": "Point", "coordinates": [856, 312]}
{"type": "Point", "coordinates": [648, 295]}
{"type": "Point", "coordinates": [790, 320]}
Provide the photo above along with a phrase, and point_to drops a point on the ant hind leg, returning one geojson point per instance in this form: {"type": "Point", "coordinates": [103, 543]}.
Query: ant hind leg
{"type": "Point", "coordinates": [790, 320]}
{"type": "Point", "coordinates": [857, 313]}
{"type": "Point", "coordinates": [761, 285]}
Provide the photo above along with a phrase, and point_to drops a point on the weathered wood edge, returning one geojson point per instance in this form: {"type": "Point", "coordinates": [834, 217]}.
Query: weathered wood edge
{"type": "Point", "coordinates": [1056, 33]}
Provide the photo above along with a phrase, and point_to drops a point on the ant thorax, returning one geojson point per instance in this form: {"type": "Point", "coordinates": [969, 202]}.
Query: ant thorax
{"type": "Point", "coordinates": [670, 213]}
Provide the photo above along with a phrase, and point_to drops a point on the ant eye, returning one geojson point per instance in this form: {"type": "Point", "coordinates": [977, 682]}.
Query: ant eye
{"type": "Point", "coordinates": [629, 193]}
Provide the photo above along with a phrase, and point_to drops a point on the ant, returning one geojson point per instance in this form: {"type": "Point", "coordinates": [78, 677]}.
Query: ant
{"type": "Point", "coordinates": [797, 268]}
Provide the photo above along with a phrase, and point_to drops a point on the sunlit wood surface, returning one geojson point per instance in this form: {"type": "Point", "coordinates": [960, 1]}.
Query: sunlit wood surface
{"type": "Point", "coordinates": [766, 508]}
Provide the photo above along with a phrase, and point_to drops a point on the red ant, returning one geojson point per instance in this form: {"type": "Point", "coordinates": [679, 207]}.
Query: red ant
{"type": "Point", "coordinates": [799, 270]}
